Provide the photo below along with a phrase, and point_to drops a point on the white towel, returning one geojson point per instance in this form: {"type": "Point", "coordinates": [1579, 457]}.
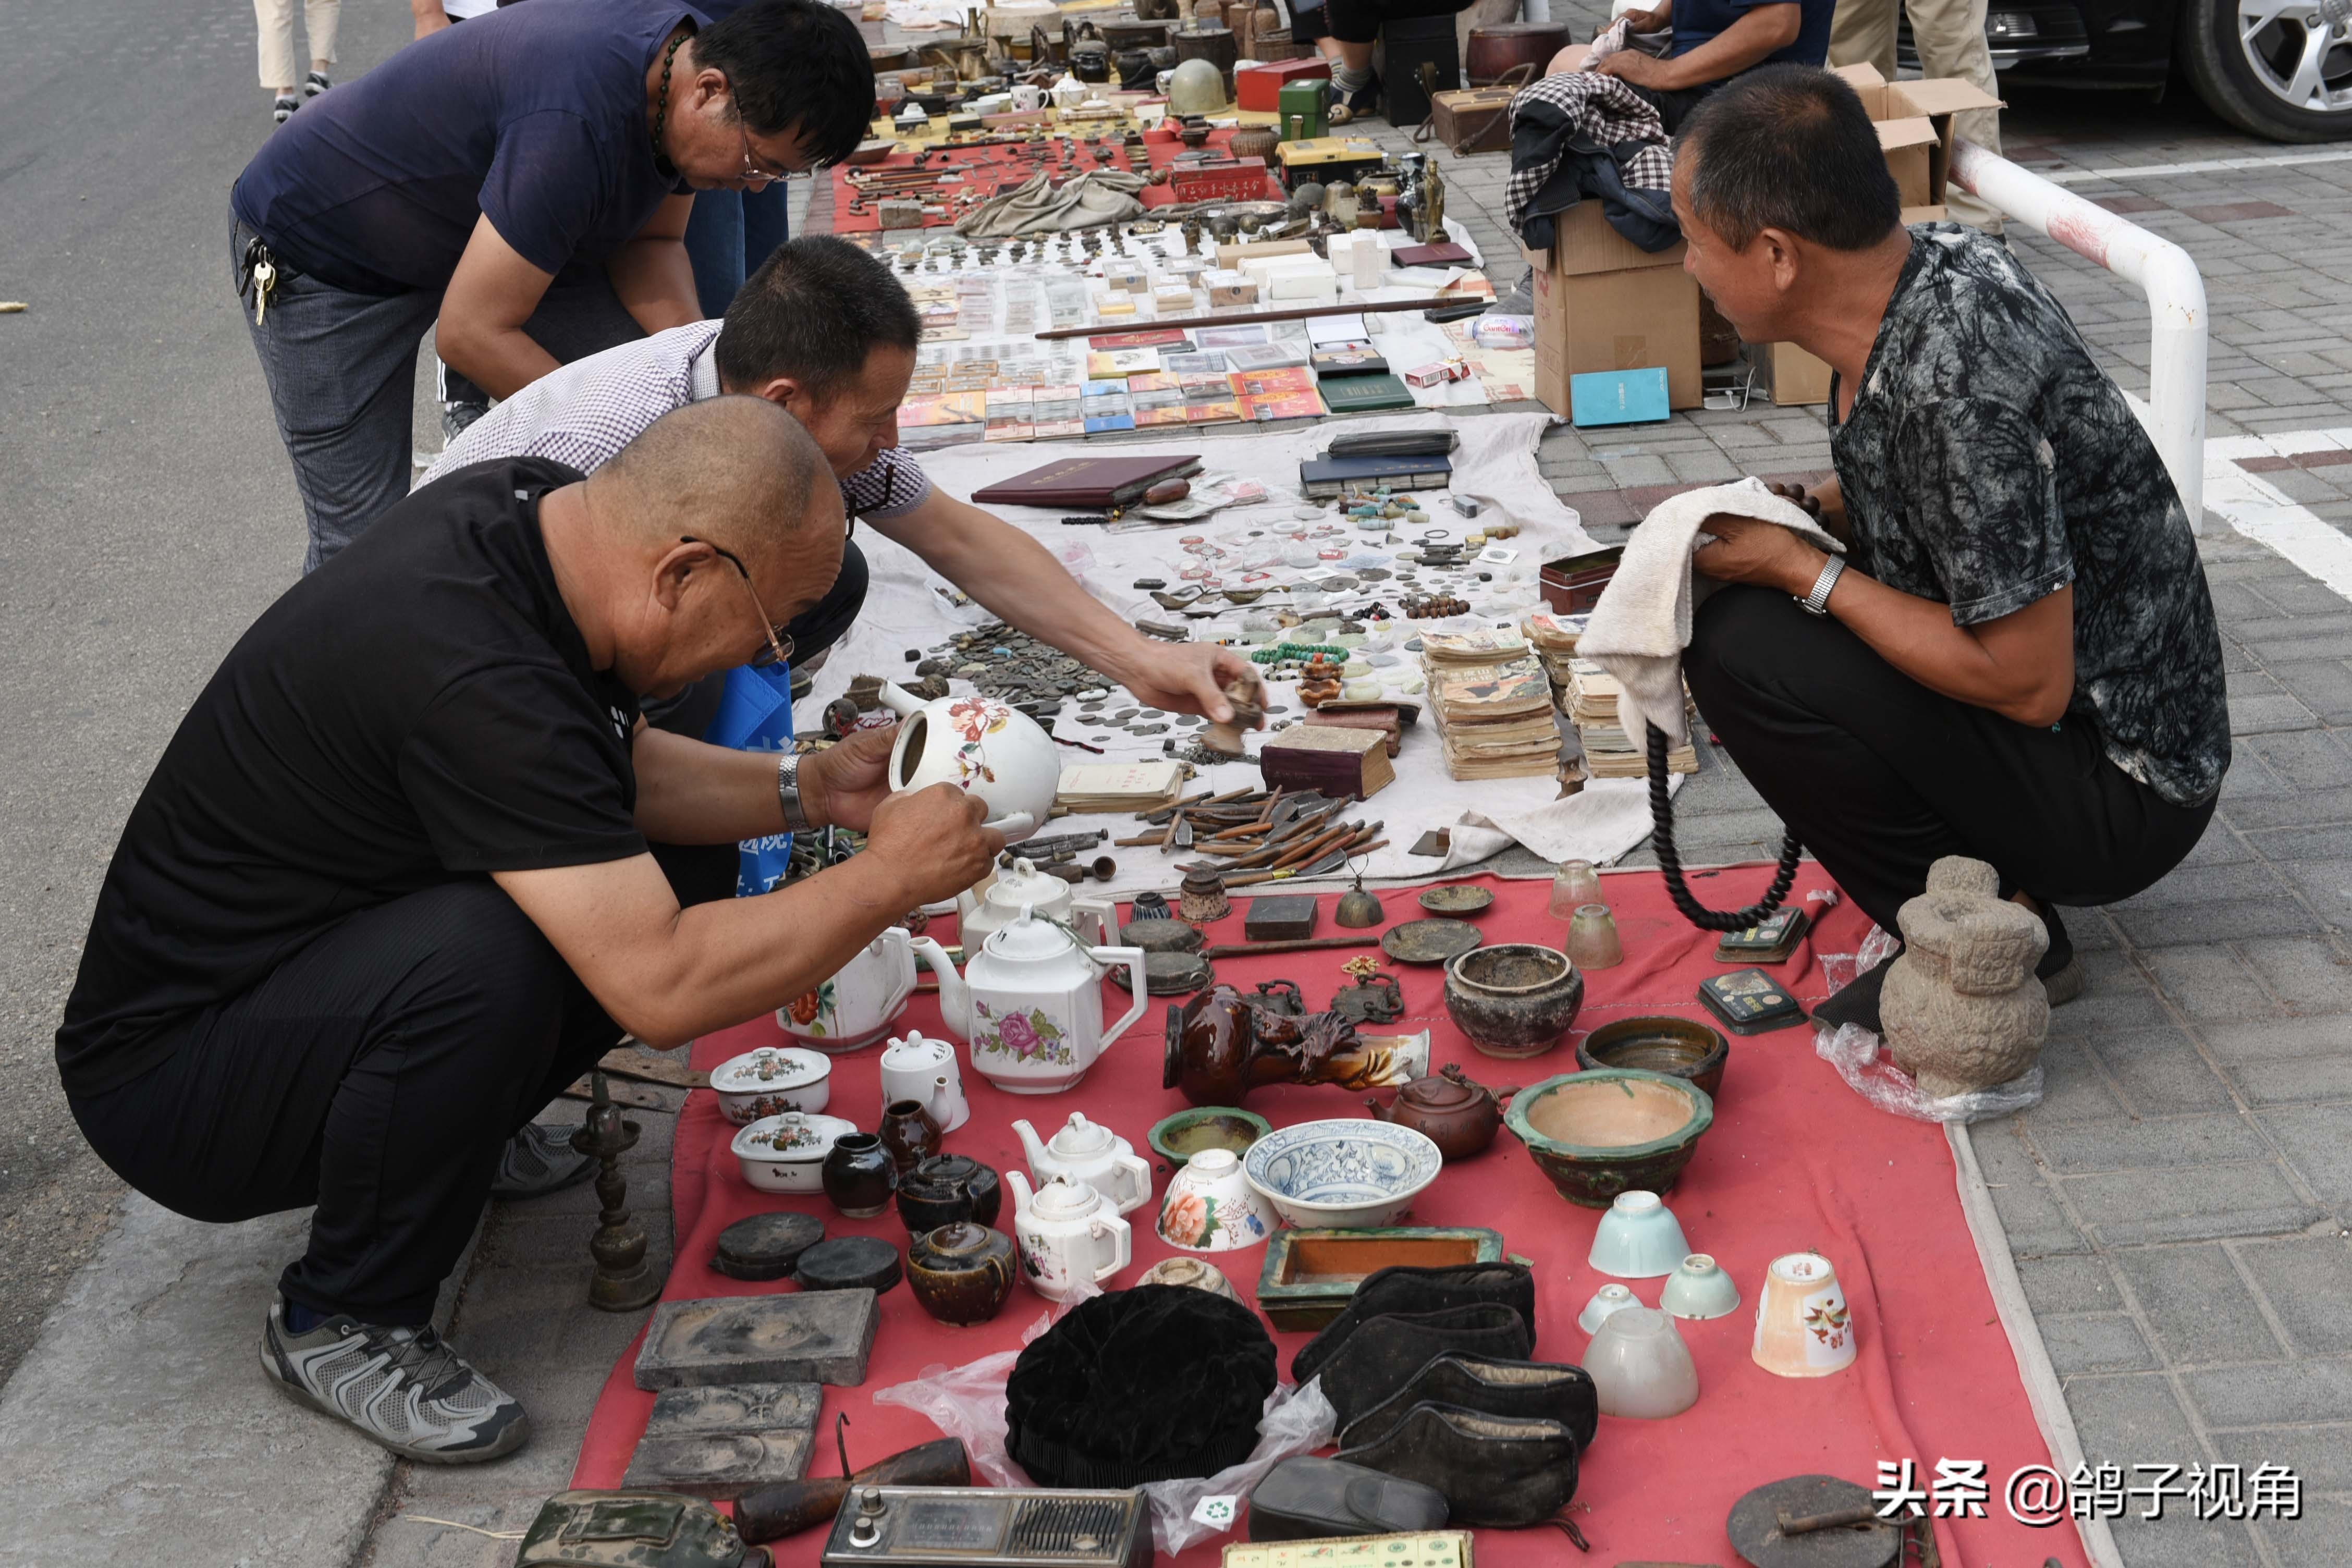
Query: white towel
{"type": "Point", "coordinates": [1639, 629]}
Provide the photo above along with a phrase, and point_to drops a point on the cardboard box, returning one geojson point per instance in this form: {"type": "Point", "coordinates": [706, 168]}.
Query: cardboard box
{"type": "Point", "coordinates": [1789, 376]}
{"type": "Point", "coordinates": [1915, 126]}
{"type": "Point", "coordinates": [1602, 303]}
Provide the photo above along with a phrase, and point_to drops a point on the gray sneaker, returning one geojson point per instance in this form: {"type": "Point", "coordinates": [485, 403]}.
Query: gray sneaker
{"type": "Point", "coordinates": [456, 419]}
{"type": "Point", "coordinates": [400, 1387]}
{"type": "Point", "coordinates": [538, 1161]}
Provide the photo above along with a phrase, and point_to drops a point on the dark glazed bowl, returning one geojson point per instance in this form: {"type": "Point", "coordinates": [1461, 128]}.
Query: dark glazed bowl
{"type": "Point", "coordinates": [1514, 999]}
{"type": "Point", "coordinates": [1597, 1134]}
{"type": "Point", "coordinates": [1679, 1048]}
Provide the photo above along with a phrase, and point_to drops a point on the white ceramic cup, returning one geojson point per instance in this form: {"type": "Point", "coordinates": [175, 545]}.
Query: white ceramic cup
{"type": "Point", "coordinates": [1028, 96]}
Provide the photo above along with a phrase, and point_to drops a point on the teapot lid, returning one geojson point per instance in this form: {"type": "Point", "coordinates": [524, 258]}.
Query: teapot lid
{"type": "Point", "coordinates": [1080, 1136]}
{"type": "Point", "coordinates": [1439, 1093]}
{"type": "Point", "coordinates": [1025, 884]}
{"type": "Point", "coordinates": [1062, 1198]}
{"type": "Point", "coordinates": [1028, 937]}
{"type": "Point", "coordinates": [957, 1238]}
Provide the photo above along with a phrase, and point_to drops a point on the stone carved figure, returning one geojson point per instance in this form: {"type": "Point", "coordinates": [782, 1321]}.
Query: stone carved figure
{"type": "Point", "coordinates": [1963, 1010]}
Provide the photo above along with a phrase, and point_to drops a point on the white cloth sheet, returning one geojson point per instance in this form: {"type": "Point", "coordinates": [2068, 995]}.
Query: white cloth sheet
{"type": "Point", "coordinates": [1496, 462]}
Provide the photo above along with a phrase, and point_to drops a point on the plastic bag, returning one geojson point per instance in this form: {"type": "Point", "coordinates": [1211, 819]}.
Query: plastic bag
{"type": "Point", "coordinates": [755, 714]}
{"type": "Point", "coordinates": [1496, 330]}
{"type": "Point", "coordinates": [968, 1403]}
{"type": "Point", "coordinates": [1872, 1073]}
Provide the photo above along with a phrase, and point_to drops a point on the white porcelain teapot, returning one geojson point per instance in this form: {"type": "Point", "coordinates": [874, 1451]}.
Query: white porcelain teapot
{"type": "Point", "coordinates": [1068, 1234]}
{"type": "Point", "coordinates": [982, 746]}
{"type": "Point", "coordinates": [925, 1071]}
{"type": "Point", "coordinates": [1088, 1152]}
{"type": "Point", "coordinates": [1030, 1000]}
{"type": "Point", "coordinates": [858, 1005]}
{"type": "Point", "coordinates": [997, 903]}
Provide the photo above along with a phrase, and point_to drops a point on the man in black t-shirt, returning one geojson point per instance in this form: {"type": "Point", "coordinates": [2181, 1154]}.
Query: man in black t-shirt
{"type": "Point", "coordinates": [390, 888]}
{"type": "Point", "coordinates": [2016, 659]}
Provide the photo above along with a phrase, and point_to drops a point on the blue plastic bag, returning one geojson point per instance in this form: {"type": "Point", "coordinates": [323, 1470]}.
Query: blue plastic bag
{"type": "Point", "coordinates": [755, 714]}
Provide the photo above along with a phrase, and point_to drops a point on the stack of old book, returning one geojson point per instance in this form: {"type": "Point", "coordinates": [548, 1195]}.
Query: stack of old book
{"type": "Point", "coordinates": [1492, 705]}
{"type": "Point", "coordinates": [1554, 639]}
{"type": "Point", "coordinates": [1591, 704]}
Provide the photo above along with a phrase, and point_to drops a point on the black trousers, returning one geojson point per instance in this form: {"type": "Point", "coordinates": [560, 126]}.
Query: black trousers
{"type": "Point", "coordinates": [1879, 776]}
{"type": "Point", "coordinates": [377, 1073]}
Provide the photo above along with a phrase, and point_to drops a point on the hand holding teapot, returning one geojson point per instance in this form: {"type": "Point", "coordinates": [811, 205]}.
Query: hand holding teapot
{"type": "Point", "coordinates": [933, 842]}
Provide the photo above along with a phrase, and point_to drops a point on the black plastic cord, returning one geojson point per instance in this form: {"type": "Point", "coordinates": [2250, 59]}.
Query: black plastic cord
{"type": "Point", "coordinates": [1662, 819]}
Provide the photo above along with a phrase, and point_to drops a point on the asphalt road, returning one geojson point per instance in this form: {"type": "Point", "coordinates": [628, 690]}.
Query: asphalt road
{"type": "Point", "coordinates": [147, 512]}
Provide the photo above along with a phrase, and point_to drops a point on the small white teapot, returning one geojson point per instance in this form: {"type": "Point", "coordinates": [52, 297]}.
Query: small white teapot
{"type": "Point", "coordinates": [989, 909]}
{"type": "Point", "coordinates": [1068, 1234]}
{"type": "Point", "coordinates": [1088, 1152]}
{"type": "Point", "coordinates": [925, 1071]}
{"type": "Point", "coordinates": [1030, 1002]}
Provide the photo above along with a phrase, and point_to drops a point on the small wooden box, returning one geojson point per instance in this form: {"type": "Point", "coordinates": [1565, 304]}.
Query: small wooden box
{"type": "Point", "coordinates": [1345, 764]}
{"type": "Point", "coordinates": [1482, 113]}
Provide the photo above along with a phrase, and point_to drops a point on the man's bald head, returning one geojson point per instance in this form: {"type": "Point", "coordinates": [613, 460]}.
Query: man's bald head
{"type": "Point", "coordinates": [737, 470]}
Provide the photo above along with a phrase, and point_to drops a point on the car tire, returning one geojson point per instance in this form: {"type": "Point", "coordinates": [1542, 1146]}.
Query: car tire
{"type": "Point", "coordinates": [2262, 84]}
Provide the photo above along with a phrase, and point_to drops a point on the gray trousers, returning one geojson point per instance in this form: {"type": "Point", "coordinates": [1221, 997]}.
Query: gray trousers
{"type": "Point", "coordinates": [341, 368]}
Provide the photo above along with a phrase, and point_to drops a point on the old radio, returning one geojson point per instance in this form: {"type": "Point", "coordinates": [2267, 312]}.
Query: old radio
{"type": "Point", "coordinates": [976, 1527]}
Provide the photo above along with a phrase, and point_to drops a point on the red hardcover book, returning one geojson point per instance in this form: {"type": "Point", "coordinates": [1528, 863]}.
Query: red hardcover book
{"type": "Point", "coordinates": [1087, 481]}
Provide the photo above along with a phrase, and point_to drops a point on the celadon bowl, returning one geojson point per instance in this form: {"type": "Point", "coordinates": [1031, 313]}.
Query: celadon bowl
{"type": "Point", "coordinates": [1341, 1174]}
{"type": "Point", "coordinates": [1639, 1238]}
{"type": "Point", "coordinates": [1614, 1129]}
{"type": "Point", "coordinates": [1700, 1287]}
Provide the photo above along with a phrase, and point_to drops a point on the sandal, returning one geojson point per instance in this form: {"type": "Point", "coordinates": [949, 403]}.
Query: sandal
{"type": "Point", "coordinates": [283, 109]}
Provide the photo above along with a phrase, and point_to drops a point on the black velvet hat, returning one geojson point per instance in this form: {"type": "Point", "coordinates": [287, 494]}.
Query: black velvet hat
{"type": "Point", "coordinates": [1148, 1384]}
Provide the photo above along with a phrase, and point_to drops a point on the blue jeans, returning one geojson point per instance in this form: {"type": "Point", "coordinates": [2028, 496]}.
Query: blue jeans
{"type": "Point", "coordinates": [729, 235]}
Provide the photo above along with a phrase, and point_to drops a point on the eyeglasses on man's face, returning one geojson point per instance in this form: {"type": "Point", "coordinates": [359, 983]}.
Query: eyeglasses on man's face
{"type": "Point", "coordinates": [780, 643]}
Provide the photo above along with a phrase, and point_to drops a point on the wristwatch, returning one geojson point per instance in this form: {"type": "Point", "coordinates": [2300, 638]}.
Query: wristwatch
{"type": "Point", "coordinates": [1817, 603]}
{"type": "Point", "coordinates": [788, 793]}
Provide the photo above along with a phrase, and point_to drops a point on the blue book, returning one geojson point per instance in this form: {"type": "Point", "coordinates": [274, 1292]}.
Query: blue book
{"type": "Point", "coordinates": [1619, 397]}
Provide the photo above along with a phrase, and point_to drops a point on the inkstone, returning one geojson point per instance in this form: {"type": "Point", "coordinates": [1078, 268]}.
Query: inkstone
{"type": "Point", "coordinates": [719, 1442]}
{"type": "Point", "coordinates": [810, 1336]}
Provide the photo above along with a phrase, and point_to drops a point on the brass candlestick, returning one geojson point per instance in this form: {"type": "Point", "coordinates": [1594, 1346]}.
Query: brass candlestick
{"type": "Point", "coordinates": [625, 1281]}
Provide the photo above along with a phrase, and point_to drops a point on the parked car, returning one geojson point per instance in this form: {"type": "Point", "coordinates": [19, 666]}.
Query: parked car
{"type": "Point", "coordinates": [2280, 69]}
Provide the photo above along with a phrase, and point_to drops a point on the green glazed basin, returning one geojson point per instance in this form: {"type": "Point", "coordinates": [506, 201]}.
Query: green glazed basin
{"type": "Point", "coordinates": [1611, 1130]}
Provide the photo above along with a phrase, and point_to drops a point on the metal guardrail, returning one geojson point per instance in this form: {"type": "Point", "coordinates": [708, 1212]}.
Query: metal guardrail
{"type": "Point", "coordinates": [2174, 413]}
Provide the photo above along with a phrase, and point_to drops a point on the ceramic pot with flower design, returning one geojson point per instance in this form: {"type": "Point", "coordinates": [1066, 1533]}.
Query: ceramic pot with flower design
{"type": "Point", "coordinates": [1210, 1206]}
{"type": "Point", "coordinates": [770, 1081]}
{"type": "Point", "coordinates": [1030, 1000]}
{"type": "Point", "coordinates": [982, 746]}
{"type": "Point", "coordinates": [858, 1003]}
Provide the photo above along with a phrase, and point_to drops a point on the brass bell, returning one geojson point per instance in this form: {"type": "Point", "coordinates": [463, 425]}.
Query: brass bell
{"type": "Point", "coordinates": [1359, 909]}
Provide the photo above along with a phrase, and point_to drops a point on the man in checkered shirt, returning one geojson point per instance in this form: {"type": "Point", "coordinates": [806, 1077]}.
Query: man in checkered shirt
{"type": "Point", "coordinates": [826, 330]}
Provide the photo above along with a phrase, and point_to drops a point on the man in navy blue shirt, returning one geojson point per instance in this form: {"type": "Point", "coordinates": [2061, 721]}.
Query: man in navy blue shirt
{"type": "Point", "coordinates": [524, 179]}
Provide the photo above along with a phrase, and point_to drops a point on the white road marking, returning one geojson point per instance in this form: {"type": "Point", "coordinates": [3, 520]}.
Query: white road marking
{"type": "Point", "coordinates": [2208, 166]}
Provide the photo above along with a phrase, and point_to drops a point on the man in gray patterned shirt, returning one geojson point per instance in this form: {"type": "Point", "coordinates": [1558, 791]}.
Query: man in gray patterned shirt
{"type": "Point", "coordinates": [824, 330]}
{"type": "Point", "coordinates": [2016, 659]}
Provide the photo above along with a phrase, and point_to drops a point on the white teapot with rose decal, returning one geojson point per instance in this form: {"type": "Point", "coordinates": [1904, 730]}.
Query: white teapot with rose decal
{"type": "Point", "coordinates": [1030, 1000]}
{"type": "Point", "coordinates": [982, 746]}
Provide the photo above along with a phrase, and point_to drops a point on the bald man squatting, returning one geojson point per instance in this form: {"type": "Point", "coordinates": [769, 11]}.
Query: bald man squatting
{"type": "Point", "coordinates": [392, 884]}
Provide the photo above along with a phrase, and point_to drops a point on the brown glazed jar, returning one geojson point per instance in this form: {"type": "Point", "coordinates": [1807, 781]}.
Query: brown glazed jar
{"type": "Point", "coordinates": [859, 1176]}
{"type": "Point", "coordinates": [909, 1134]}
{"type": "Point", "coordinates": [961, 1273]}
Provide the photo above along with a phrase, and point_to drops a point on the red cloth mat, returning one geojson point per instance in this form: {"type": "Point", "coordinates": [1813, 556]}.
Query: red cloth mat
{"type": "Point", "coordinates": [1795, 1161]}
{"type": "Point", "coordinates": [998, 168]}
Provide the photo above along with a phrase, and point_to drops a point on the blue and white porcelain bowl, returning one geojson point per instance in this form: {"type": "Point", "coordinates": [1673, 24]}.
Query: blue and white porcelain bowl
{"type": "Point", "coordinates": [1341, 1174]}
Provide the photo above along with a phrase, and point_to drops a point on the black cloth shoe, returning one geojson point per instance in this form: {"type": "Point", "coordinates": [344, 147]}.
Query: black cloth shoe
{"type": "Point", "coordinates": [1382, 1355]}
{"type": "Point", "coordinates": [1404, 1290]}
{"type": "Point", "coordinates": [1308, 1498]}
{"type": "Point", "coordinates": [1495, 1471]}
{"type": "Point", "coordinates": [1526, 1390]}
